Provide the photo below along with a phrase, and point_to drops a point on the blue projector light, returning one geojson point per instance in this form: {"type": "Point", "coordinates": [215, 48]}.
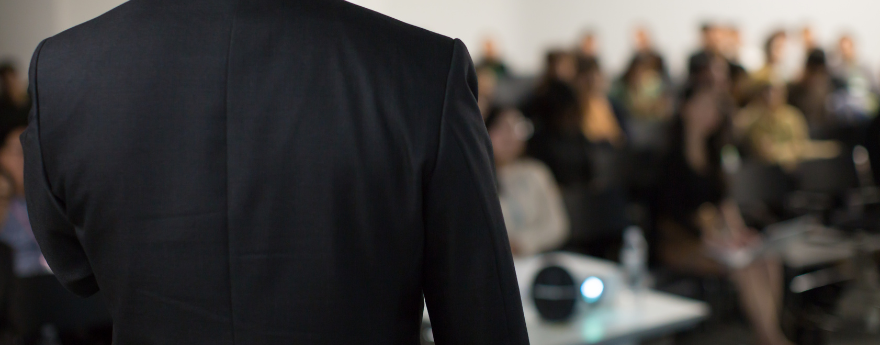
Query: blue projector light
{"type": "Point", "coordinates": [592, 289]}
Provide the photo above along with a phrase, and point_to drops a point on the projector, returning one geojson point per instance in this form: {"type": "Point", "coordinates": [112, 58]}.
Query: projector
{"type": "Point", "coordinates": [559, 285]}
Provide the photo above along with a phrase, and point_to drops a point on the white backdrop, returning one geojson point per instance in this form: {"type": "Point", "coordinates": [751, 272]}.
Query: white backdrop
{"type": "Point", "coordinates": [525, 28]}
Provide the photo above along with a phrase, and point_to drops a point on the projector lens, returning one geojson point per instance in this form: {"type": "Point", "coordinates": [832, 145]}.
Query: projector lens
{"type": "Point", "coordinates": [592, 289]}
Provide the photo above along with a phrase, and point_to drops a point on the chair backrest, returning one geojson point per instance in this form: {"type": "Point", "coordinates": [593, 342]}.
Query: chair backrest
{"type": "Point", "coordinates": [42, 300]}
{"type": "Point", "coordinates": [758, 182]}
{"type": "Point", "coordinates": [833, 176]}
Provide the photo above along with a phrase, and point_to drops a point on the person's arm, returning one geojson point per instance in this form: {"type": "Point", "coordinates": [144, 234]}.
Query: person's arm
{"type": "Point", "coordinates": [470, 285]}
{"type": "Point", "coordinates": [54, 232]}
{"type": "Point", "coordinates": [551, 228]}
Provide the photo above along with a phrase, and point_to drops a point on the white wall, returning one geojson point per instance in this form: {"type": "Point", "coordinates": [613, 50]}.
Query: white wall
{"type": "Point", "coordinates": [536, 25]}
{"type": "Point", "coordinates": [525, 28]}
{"type": "Point", "coordinates": [23, 24]}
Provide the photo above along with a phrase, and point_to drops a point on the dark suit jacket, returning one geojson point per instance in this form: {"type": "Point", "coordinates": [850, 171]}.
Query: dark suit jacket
{"type": "Point", "coordinates": [268, 172]}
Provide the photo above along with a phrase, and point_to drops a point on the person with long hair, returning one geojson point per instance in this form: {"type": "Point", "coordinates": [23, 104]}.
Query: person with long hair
{"type": "Point", "coordinates": [602, 120]}
{"type": "Point", "coordinates": [530, 200]}
{"type": "Point", "coordinates": [697, 221]}
{"type": "Point", "coordinates": [643, 89]}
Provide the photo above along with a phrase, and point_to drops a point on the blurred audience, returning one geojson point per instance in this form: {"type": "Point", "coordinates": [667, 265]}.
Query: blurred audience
{"type": "Point", "coordinates": [588, 48]}
{"type": "Point", "coordinates": [712, 42]}
{"type": "Point", "coordinates": [530, 200]}
{"type": "Point", "coordinates": [857, 100]}
{"type": "Point", "coordinates": [644, 88]}
{"type": "Point", "coordinates": [580, 141]}
{"type": "Point", "coordinates": [603, 121]}
{"type": "Point", "coordinates": [698, 225]}
{"type": "Point", "coordinates": [542, 106]}
{"type": "Point", "coordinates": [811, 94]}
{"type": "Point", "coordinates": [492, 58]}
{"type": "Point", "coordinates": [774, 55]}
{"type": "Point", "coordinates": [777, 133]}
{"type": "Point", "coordinates": [800, 51]}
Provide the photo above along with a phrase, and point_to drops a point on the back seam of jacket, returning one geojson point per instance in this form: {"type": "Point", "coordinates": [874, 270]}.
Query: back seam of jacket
{"type": "Point", "coordinates": [229, 260]}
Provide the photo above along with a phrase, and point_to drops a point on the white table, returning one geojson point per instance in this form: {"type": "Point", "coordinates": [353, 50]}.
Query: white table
{"type": "Point", "coordinates": [624, 320]}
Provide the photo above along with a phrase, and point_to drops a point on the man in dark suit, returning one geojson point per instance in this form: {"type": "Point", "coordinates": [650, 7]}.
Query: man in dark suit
{"type": "Point", "coordinates": [268, 172]}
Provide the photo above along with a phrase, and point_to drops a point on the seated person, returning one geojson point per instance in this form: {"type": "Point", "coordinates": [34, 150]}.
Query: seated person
{"type": "Point", "coordinates": [696, 220]}
{"type": "Point", "coordinates": [602, 120]}
{"type": "Point", "coordinates": [530, 201]}
{"type": "Point", "coordinates": [774, 52]}
{"type": "Point", "coordinates": [642, 90]}
{"type": "Point", "coordinates": [777, 133]}
{"type": "Point", "coordinates": [16, 227]}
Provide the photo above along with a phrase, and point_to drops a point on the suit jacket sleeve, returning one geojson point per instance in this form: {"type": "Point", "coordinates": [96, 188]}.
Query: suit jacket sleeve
{"type": "Point", "coordinates": [52, 229]}
{"type": "Point", "coordinates": [470, 285]}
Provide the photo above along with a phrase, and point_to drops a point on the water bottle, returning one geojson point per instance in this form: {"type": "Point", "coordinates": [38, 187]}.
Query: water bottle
{"type": "Point", "coordinates": [634, 258]}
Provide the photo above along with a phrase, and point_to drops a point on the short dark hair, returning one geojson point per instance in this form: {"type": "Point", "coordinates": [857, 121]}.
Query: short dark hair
{"type": "Point", "coordinates": [7, 67]}
{"type": "Point", "coordinates": [706, 27]}
{"type": "Point", "coordinates": [768, 45]}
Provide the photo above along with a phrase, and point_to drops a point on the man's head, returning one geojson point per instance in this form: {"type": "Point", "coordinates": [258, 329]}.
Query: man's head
{"type": "Point", "coordinates": [712, 36]}
{"type": "Point", "coordinates": [589, 44]}
{"type": "Point", "coordinates": [774, 47]}
{"type": "Point", "coordinates": [490, 49]}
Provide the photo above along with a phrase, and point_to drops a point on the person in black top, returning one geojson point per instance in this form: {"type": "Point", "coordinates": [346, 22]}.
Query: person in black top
{"type": "Point", "coordinates": [811, 94]}
{"type": "Point", "coordinates": [697, 222]}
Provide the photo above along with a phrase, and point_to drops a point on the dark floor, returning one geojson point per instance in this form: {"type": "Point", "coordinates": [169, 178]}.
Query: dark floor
{"type": "Point", "coordinates": [848, 326]}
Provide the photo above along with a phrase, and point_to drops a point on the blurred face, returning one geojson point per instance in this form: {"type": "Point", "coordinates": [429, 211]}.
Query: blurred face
{"type": "Point", "coordinates": [509, 134]}
{"type": "Point", "coordinates": [12, 159]}
{"type": "Point", "coordinates": [588, 45]}
{"type": "Point", "coordinates": [643, 41]}
{"type": "Point", "coordinates": [777, 49]}
{"type": "Point", "coordinates": [847, 49]}
{"type": "Point", "coordinates": [490, 49]}
{"type": "Point", "coordinates": [808, 38]}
